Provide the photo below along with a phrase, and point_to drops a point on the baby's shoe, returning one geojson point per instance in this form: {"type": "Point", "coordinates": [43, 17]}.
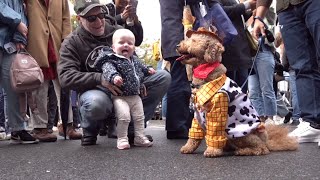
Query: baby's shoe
{"type": "Point", "coordinates": [142, 141]}
{"type": "Point", "coordinates": [123, 143]}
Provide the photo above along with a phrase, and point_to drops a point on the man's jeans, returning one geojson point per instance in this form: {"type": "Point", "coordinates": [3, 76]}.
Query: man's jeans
{"type": "Point", "coordinates": [15, 120]}
{"type": "Point", "coordinates": [260, 85]}
{"type": "Point", "coordinates": [294, 97]}
{"type": "Point", "coordinates": [300, 28]}
{"type": "Point", "coordinates": [96, 105]}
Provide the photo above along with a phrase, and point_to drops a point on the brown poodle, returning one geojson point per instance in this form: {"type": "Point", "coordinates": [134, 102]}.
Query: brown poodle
{"type": "Point", "coordinates": [224, 116]}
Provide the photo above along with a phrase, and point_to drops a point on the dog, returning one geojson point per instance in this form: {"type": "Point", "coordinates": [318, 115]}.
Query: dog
{"type": "Point", "coordinates": [224, 116]}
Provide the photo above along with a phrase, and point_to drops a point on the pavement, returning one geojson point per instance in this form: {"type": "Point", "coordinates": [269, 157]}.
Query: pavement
{"type": "Point", "coordinates": [66, 159]}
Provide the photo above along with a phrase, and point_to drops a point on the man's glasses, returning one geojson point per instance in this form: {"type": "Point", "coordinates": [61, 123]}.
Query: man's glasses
{"type": "Point", "coordinates": [94, 17]}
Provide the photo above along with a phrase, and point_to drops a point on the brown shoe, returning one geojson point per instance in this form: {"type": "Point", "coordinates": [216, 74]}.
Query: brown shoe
{"type": "Point", "coordinates": [43, 135]}
{"type": "Point", "coordinates": [72, 134]}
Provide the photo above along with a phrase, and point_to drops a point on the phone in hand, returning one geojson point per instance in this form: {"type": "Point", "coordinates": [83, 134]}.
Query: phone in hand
{"type": "Point", "coordinates": [10, 47]}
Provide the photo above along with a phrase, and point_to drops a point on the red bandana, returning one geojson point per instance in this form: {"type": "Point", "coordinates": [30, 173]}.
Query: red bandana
{"type": "Point", "coordinates": [203, 70]}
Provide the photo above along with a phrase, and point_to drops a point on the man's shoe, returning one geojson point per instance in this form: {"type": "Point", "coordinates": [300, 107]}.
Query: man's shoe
{"type": "Point", "coordinates": [22, 137]}
{"type": "Point", "coordinates": [305, 133]}
{"type": "Point", "coordinates": [177, 135]}
{"type": "Point", "coordinates": [43, 135]}
{"type": "Point", "coordinates": [72, 133]}
{"type": "Point", "coordinates": [88, 140]}
{"type": "Point", "coordinates": [319, 144]}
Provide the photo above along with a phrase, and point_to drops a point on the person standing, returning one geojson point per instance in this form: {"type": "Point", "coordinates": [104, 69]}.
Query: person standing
{"type": "Point", "coordinates": [49, 24]}
{"type": "Point", "coordinates": [13, 32]}
{"type": "Point", "coordinates": [299, 25]}
{"type": "Point", "coordinates": [179, 117]}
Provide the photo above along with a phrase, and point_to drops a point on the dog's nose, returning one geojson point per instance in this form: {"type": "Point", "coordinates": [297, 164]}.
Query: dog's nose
{"type": "Point", "coordinates": [178, 45]}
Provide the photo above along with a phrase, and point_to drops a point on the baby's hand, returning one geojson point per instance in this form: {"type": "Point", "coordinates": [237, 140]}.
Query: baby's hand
{"type": "Point", "coordinates": [118, 81]}
{"type": "Point", "coordinates": [152, 71]}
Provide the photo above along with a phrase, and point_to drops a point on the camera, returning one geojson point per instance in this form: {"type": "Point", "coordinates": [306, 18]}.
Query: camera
{"type": "Point", "coordinates": [269, 35]}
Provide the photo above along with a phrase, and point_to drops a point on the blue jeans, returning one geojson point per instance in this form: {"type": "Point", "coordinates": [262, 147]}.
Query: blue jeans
{"type": "Point", "coordinates": [2, 109]}
{"type": "Point", "coordinates": [300, 31]}
{"type": "Point", "coordinates": [294, 97]}
{"type": "Point", "coordinates": [96, 106]}
{"type": "Point", "coordinates": [261, 91]}
{"type": "Point", "coordinates": [15, 120]}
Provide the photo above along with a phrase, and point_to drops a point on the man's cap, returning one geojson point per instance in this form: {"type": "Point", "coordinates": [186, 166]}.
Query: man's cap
{"type": "Point", "coordinates": [82, 7]}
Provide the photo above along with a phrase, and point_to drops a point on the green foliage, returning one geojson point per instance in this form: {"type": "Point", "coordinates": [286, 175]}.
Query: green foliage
{"type": "Point", "coordinates": [144, 52]}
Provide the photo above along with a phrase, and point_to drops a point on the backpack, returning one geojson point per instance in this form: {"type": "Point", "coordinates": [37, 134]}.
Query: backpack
{"type": "Point", "coordinates": [26, 76]}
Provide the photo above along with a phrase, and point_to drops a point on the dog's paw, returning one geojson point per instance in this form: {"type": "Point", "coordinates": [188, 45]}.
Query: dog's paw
{"type": "Point", "coordinates": [213, 152]}
{"type": "Point", "coordinates": [190, 146]}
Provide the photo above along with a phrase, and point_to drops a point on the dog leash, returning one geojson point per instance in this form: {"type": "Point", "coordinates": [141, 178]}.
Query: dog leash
{"type": "Point", "coordinates": [260, 41]}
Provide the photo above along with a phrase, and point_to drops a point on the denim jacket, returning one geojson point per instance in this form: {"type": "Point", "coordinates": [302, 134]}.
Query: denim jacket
{"type": "Point", "coordinates": [11, 14]}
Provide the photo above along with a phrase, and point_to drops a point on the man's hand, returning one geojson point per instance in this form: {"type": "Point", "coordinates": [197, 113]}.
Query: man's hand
{"type": "Point", "coordinates": [129, 11]}
{"type": "Point", "coordinates": [19, 46]}
{"type": "Point", "coordinates": [114, 89]}
{"type": "Point", "coordinates": [118, 81]}
{"type": "Point", "coordinates": [258, 29]}
{"type": "Point", "coordinates": [23, 29]}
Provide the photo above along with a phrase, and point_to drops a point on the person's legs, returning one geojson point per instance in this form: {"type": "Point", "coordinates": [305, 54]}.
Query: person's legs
{"type": "Point", "coordinates": [294, 98]}
{"type": "Point", "coordinates": [95, 106]}
{"type": "Point", "coordinates": [255, 94]}
{"type": "Point", "coordinates": [15, 120]}
{"type": "Point", "coordinates": [52, 106]}
{"type": "Point", "coordinates": [40, 118]}
{"type": "Point", "coordinates": [157, 85]}
{"type": "Point", "coordinates": [265, 69]}
{"type": "Point", "coordinates": [122, 112]}
{"type": "Point", "coordinates": [300, 32]}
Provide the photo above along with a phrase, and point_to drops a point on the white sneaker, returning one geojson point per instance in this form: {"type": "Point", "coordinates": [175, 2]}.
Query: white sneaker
{"type": "Point", "coordinates": [319, 144]}
{"type": "Point", "coordinates": [269, 121]}
{"type": "Point", "coordinates": [305, 133]}
{"type": "Point", "coordinates": [142, 141]}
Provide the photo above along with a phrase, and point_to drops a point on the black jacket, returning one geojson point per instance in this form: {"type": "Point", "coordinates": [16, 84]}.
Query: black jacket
{"type": "Point", "coordinates": [237, 53]}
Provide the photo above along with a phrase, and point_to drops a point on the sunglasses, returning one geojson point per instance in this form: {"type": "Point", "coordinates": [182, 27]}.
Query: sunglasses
{"type": "Point", "coordinates": [94, 17]}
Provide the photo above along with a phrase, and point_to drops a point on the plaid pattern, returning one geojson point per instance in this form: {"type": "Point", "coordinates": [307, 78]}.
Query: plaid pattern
{"type": "Point", "coordinates": [216, 118]}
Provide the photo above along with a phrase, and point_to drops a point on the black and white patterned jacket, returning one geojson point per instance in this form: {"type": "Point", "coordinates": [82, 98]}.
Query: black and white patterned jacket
{"type": "Point", "coordinates": [132, 71]}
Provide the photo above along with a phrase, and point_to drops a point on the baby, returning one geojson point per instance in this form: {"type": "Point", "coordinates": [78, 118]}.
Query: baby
{"type": "Point", "coordinates": [125, 70]}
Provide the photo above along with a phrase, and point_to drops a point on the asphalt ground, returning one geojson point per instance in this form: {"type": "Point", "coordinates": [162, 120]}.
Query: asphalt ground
{"type": "Point", "coordinates": [66, 159]}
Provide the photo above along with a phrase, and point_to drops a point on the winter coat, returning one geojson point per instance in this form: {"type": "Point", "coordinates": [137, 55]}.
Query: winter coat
{"type": "Point", "coordinates": [131, 71]}
{"type": "Point", "coordinates": [44, 22]}
{"type": "Point", "coordinates": [11, 14]}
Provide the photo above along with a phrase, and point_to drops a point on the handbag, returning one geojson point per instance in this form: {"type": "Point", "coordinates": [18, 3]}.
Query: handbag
{"type": "Point", "coordinates": [253, 43]}
{"type": "Point", "coordinates": [26, 75]}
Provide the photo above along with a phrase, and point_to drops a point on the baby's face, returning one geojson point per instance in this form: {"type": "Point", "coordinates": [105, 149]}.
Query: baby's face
{"type": "Point", "coordinates": [124, 45]}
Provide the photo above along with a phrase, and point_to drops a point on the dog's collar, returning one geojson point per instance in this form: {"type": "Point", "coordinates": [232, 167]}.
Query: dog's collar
{"type": "Point", "coordinates": [203, 70]}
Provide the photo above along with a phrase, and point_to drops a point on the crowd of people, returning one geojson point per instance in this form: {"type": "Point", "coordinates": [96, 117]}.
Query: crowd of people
{"type": "Point", "coordinates": [94, 78]}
